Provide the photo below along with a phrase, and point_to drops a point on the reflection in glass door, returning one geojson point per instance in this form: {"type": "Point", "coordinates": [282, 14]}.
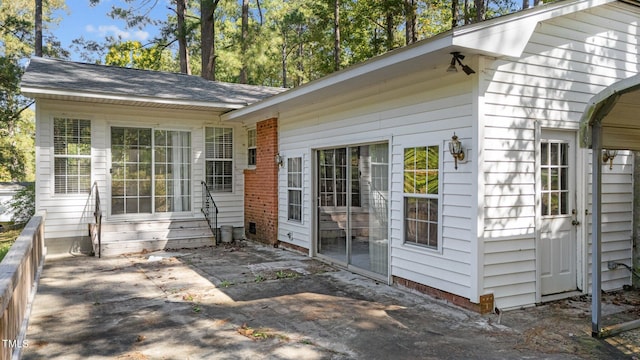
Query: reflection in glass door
{"type": "Point", "coordinates": [172, 171]}
{"type": "Point", "coordinates": [352, 197]}
{"type": "Point", "coordinates": [150, 171]}
{"type": "Point", "coordinates": [130, 170]}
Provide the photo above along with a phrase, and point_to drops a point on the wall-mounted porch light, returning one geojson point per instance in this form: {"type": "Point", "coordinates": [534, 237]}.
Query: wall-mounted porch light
{"type": "Point", "coordinates": [279, 160]}
{"type": "Point", "coordinates": [455, 148]}
{"type": "Point", "coordinates": [457, 57]}
{"type": "Point", "coordinates": [609, 155]}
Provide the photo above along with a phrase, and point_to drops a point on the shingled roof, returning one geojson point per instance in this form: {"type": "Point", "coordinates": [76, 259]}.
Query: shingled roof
{"type": "Point", "coordinates": [59, 79]}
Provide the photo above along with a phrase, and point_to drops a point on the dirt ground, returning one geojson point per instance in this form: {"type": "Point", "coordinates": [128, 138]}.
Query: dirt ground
{"type": "Point", "coordinates": [561, 326]}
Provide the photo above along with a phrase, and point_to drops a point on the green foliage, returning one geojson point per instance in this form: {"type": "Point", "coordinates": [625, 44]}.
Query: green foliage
{"type": "Point", "coordinates": [16, 125]}
{"type": "Point", "coordinates": [17, 28]}
{"type": "Point", "coordinates": [421, 170]}
{"type": "Point", "coordinates": [226, 284]}
{"type": "Point", "coordinates": [287, 43]}
{"type": "Point", "coordinates": [281, 274]}
{"type": "Point", "coordinates": [134, 54]}
{"type": "Point", "coordinates": [7, 238]}
{"type": "Point", "coordinates": [23, 204]}
{"type": "Point", "coordinates": [17, 128]}
{"type": "Point", "coordinates": [11, 103]}
{"type": "Point", "coordinates": [4, 249]}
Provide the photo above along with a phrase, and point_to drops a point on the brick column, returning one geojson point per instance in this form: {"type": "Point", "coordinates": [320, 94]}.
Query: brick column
{"type": "Point", "coordinates": [261, 186]}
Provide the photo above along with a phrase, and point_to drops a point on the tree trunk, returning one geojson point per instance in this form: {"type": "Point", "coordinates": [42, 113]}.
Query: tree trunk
{"type": "Point", "coordinates": [465, 12]}
{"type": "Point", "coordinates": [336, 33]}
{"type": "Point", "coordinates": [389, 27]}
{"type": "Point", "coordinates": [183, 52]}
{"type": "Point", "coordinates": [284, 62]}
{"type": "Point", "coordinates": [454, 13]}
{"type": "Point", "coordinates": [410, 22]}
{"type": "Point", "coordinates": [244, 39]}
{"type": "Point", "coordinates": [208, 56]}
{"type": "Point", "coordinates": [479, 10]}
{"type": "Point", "coordinates": [38, 26]}
{"type": "Point", "coordinates": [300, 77]}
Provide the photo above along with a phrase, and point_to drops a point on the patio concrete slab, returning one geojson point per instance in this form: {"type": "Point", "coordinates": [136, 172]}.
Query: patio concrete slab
{"type": "Point", "coordinates": [256, 302]}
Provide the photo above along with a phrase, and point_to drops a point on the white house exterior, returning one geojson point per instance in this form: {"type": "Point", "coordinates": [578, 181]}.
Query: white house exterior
{"type": "Point", "coordinates": [147, 140]}
{"type": "Point", "coordinates": [512, 218]}
{"type": "Point", "coordinates": [7, 191]}
{"type": "Point", "coordinates": [363, 175]}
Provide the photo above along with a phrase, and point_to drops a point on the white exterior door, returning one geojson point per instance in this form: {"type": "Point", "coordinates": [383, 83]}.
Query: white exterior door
{"type": "Point", "coordinates": [558, 213]}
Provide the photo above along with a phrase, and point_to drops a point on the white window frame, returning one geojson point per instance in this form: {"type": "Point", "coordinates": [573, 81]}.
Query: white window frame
{"type": "Point", "coordinates": [418, 195]}
{"type": "Point", "coordinates": [292, 188]}
{"type": "Point", "coordinates": [71, 156]}
{"type": "Point", "coordinates": [224, 159]}
{"type": "Point", "coordinates": [252, 145]}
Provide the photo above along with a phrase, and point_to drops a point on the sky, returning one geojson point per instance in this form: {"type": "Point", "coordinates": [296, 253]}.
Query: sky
{"type": "Point", "coordinates": [92, 23]}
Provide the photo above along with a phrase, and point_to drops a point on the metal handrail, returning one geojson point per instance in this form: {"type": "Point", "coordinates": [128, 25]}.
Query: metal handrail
{"type": "Point", "coordinates": [380, 204]}
{"type": "Point", "coordinates": [207, 205]}
{"type": "Point", "coordinates": [97, 214]}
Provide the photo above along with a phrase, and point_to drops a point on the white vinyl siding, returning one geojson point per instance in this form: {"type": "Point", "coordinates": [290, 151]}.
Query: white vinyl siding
{"type": "Point", "coordinates": [567, 61]}
{"type": "Point", "coordinates": [413, 110]}
{"type": "Point", "coordinates": [67, 215]}
{"type": "Point", "coordinates": [294, 232]}
{"type": "Point", "coordinates": [617, 221]}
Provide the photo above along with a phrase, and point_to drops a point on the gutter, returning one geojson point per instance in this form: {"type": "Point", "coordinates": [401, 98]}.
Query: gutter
{"type": "Point", "coordinates": [91, 97]}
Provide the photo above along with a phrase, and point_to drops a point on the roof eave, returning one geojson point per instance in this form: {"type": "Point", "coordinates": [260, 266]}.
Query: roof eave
{"type": "Point", "coordinates": [35, 92]}
{"type": "Point", "coordinates": [620, 133]}
{"type": "Point", "coordinates": [339, 77]}
{"type": "Point", "coordinates": [499, 37]}
{"type": "Point", "coordinates": [508, 35]}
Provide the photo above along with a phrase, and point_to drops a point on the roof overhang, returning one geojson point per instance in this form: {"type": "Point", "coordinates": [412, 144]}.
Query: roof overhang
{"type": "Point", "coordinates": [616, 110]}
{"type": "Point", "coordinates": [502, 37]}
{"type": "Point", "coordinates": [128, 100]}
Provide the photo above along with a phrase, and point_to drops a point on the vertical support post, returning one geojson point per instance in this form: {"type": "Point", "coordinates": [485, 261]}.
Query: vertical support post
{"type": "Point", "coordinates": [596, 228]}
{"type": "Point", "coordinates": [636, 216]}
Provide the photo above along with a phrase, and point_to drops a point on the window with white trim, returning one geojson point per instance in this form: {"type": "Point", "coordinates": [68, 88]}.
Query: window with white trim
{"type": "Point", "coordinates": [219, 158]}
{"type": "Point", "coordinates": [421, 196]}
{"type": "Point", "coordinates": [294, 189]}
{"type": "Point", "coordinates": [72, 155]}
{"type": "Point", "coordinates": [251, 147]}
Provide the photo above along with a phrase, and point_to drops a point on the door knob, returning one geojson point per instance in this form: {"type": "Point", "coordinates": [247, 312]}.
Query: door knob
{"type": "Point", "coordinates": [575, 221]}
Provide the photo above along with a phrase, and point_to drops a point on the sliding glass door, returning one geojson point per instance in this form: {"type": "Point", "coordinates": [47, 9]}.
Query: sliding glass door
{"type": "Point", "coordinates": [150, 171]}
{"type": "Point", "coordinates": [172, 171]}
{"type": "Point", "coordinates": [352, 193]}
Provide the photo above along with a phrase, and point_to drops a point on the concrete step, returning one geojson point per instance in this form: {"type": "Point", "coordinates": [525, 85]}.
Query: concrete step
{"type": "Point", "coordinates": [115, 236]}
{"type": "Point", "coordinates": [140, 236]}
{"type": "Point", "coordinates": [149, 225]}
{"type": "Point", "coordinates": [140, 246]}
